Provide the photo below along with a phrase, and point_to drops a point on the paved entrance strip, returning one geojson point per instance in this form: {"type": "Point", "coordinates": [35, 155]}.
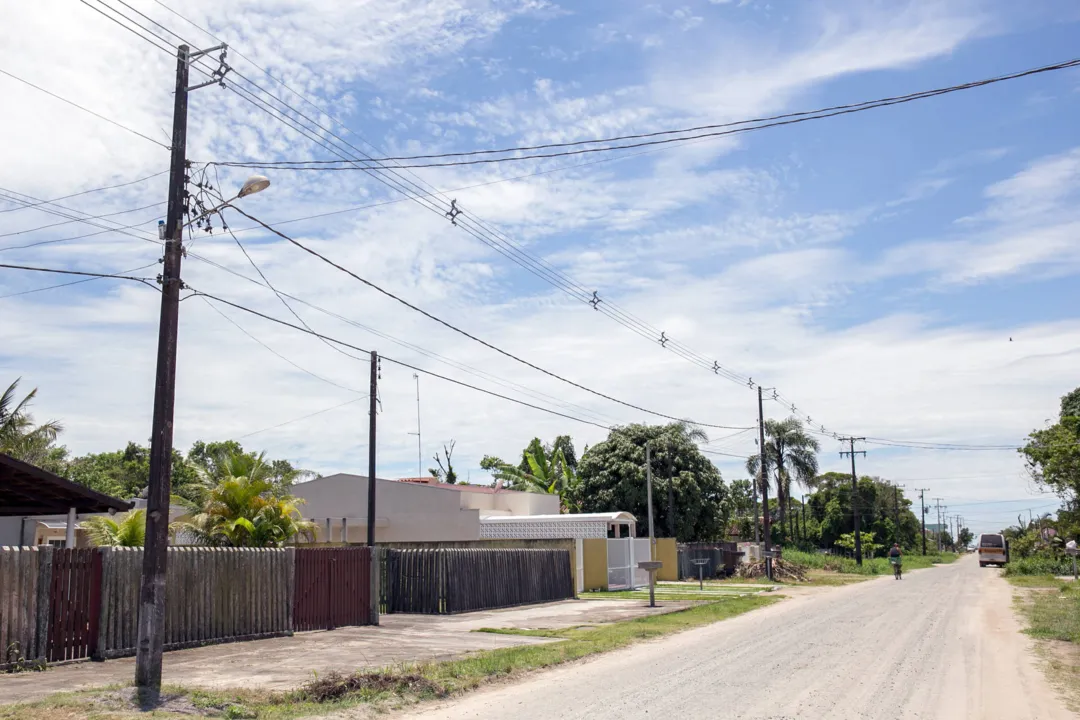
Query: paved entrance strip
{"type": "Point", "coordinates": [287, 662]}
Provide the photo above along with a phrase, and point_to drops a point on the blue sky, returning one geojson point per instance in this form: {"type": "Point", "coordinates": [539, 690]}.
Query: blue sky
{"type": "Point", "coordinates": [872, 266]}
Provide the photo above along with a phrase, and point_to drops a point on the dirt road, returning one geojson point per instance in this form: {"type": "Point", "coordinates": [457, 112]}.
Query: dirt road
{"type": "Point", "coordinates": [940, 644]}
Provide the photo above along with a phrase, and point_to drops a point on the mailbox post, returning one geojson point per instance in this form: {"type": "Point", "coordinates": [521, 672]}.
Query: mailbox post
{"type": "Point", "coordinates": [651, 566]}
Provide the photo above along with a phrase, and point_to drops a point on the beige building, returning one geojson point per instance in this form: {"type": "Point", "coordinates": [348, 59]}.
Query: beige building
{"type": "Point", "coordinates": [411, 510]}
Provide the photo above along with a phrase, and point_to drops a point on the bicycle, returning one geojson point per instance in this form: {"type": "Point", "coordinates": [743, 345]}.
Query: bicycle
{"type": "Point", "coordinates": [896, 567]}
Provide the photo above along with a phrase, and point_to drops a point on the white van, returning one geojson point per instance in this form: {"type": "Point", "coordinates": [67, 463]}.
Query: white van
{"type": "Point", "coordinates": [993, 550]}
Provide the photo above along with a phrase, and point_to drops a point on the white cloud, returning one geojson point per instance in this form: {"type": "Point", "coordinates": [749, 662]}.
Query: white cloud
{"type": "Point", "coordinates": [710, 253]}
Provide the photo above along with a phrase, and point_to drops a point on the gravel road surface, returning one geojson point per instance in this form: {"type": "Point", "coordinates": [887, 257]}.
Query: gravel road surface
{"type": "Point", "coordinates": [942, 643]}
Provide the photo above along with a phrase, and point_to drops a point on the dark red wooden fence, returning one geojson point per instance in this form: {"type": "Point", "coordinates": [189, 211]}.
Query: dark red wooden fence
{"type": "Point", "coordinates": [74, 604]}
{"type": "Point", "coordinates": [333, 588]}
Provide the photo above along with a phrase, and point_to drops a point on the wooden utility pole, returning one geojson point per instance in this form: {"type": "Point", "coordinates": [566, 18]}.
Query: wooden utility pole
{"type": "Point", "coordinates": [937, 503]}
{"type": "Point", "coordinates": [764, 480]}
{"type": "Point", "coordinates": [151, 620]}
{"type": "Point", "coordinates": [855, 492]}
{"type": "Point", "coordinates": [373, 401]}
{"type": "Point", "coordinates": [922, 516]}
{"type": "Point", "coordinates": [896, 512]}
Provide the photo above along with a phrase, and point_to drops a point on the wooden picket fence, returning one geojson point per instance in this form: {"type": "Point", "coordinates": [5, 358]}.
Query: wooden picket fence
{"type": "Point", "coordinates": [24, 604]}
{"type": "Point", "coordinates": [447, 581]}
{"type": "Point", "coordinates": [213, 595]}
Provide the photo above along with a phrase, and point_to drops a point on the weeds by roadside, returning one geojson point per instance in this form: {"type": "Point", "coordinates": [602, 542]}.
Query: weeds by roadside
{"type": "Point", "coordinates": [870, 566]}
{"type": "Point", "coordinates": [1051, 608]}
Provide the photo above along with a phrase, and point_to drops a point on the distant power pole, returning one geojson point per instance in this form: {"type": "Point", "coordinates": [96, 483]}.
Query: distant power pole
{"type": "Point", "coordinates": [419, 442]}
{"type": "Point", "coordinates": [937, 503]}
{"type": "Point", "coordinates": [896, 511]}
{"type": "Point", "coordinates": [854, 492]}
{"type": "Point", "coordinates": [763, 474]}
{"type": "Point", "coordinates": [372, 408]}
{"type": "Point", "coordinates": [922, 516]}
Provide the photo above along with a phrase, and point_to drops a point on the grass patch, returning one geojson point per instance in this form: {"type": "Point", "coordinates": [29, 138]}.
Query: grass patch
{"type": "Point", "coordinates": [870, 566]}
{"type": "Point", "coordinates": [832, 579]}
{"type": "Point", "coordinates": [1052, 610]}
{"type": "Point", "coordinates": [395, 686]}
{"type": "Point", "coordinates": [1035, 581]}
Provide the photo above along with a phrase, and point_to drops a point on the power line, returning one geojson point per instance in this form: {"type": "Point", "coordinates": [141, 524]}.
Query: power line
{"type": "Point", "coordinates": [93, 217]}
{"type": "Point", "coordinates": [275, 352]}
{"type": "Point", "coordinates": [503, 245]}
{"type": "Point", "coordinates": [131, 30]}
{"type": "Point", "coordinates": [303, 417]}
{"type": "Point", "coordinates": [469, 335]}
{"type": "Point", "coordinates": [735, 127]}
{"type": "Point", "coordinates": [416, 348]}
{"type": "Point", "coordinates": [87, 192]}
{"type": "Point", "coordinates": [77, 282]}
{"type": "Point", "coordinates": [397, 362]}
{"type": "Point", "coordinates": [84, 109]}
{"type": "Point", "coordinates": [145, 281]}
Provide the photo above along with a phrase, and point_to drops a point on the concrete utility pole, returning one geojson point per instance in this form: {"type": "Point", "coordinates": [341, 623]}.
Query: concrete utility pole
{"type": "Point", "coordinates": [764, 479]}
{"type": "Point", "coordinates": [419, 444]}
{"type": "Point", "coordinates": [922, 516]}
{"type": "Point", "coordinates": [854, 492]}
{"type": "Point", "coordinates": [373, 401]}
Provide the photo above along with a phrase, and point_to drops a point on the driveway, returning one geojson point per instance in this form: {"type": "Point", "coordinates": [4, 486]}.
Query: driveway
{"type": "Point", "coordinates": [285, 663]}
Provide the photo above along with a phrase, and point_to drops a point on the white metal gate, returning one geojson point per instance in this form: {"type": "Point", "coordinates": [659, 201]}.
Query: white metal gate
{"type": "Point", "coordinates": [619, 563]}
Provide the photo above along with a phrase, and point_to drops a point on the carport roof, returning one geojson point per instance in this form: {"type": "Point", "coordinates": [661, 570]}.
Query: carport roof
{"type": "Point", "coordinates": [28, 490]}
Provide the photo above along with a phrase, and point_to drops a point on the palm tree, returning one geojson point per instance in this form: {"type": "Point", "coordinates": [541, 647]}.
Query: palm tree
{"type": "Point", "coordinates": [792, 454]}
{"type": "Point", "coordinates": [245, 508]}
{"type": "Point", "coordinates": [19, 437]}
{"type": "Point", "coordinates": [549, 474]}
{"type": "Point", "coordinates": [127, 530]}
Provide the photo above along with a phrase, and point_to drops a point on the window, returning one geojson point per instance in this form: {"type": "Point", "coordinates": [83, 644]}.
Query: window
{"type": "Point", "coordinates": [992, 541]}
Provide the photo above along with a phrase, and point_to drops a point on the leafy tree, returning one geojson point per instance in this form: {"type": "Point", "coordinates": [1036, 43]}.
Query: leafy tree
{"type": "Point", "coordinates": [612, 478]}
{"type": "Point", "coordinates": [790, 453]}
{"type": "Point", "coordinates": [547, 474]}
{"type": "Point", "coordinates": [126, 473]}
{"type": "Point", "coordinates": [535, 448]}
{"type": "Point", "coordinates": [965, 537]}
{"type": "Point", "coordinates": [1070, 404]}
{"type": "Point", "coordinates": [215, 461]}
{"type": "Point", "coordinates": [21, 438]}
{"type": "Point", "coordinates": [247, 510]}
{"type": "Point", "coordinates": [565, 445]}
{"type": "Point", "coordinates": [1053, 457]}
{"type": "Point", "coordinates": [444, 473]}
{"type": "Point", "coordinates": [127, 530]}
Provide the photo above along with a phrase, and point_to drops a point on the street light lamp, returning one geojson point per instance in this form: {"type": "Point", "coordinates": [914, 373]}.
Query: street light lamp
{"type": "Point", "coordinates": [254, 184]}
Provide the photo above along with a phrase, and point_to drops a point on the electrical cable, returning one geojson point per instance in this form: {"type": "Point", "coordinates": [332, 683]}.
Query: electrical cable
{"type": "Point", "coordinates": [303, 417]}
{"type": "Point", "coordinates": [93, 217]}
{"type": "Point", "coordinates": [394, 361]}
{"type": "Point", "coordinates": [280, 297]}
{"type": "Point", "coordinates": [144, 281]}
{"type": "Point", "coordinates": [734, 128]}
{"type": "Point", "coordinates": [76, 282]}
{"type": "Point", "coordinates": [275, 352]}
{"type": "Point", "coordinates": [87, 192]}
{"type": "Point", "coordinates": [416, 348]}
{"type": "Point", "coordinates": [465, 333]}
{"type": "Point", "coordinates": [86, 110]}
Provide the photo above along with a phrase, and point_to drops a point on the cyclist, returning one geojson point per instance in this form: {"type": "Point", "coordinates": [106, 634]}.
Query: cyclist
{"type": "Point", "coordinates": [896, 558]}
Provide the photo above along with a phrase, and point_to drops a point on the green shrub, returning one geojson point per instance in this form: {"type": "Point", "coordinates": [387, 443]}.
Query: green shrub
{"type": "Point", "coordinates": [1039, 565]}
